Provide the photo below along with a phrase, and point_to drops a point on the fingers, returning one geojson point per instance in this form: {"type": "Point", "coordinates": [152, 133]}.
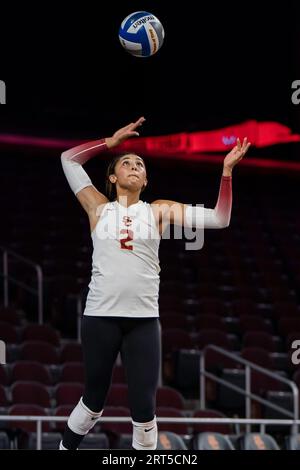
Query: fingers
{"type": "Point", "coordinates": [244, 147]}
{"type": "Point", "coordinates": [138, 123]}
{"type": "Point", "coordinates": [128, 127]}
{"type": "Point", "coordinates": [134, 125]}
{"type": "Point", "coordinates": [238, 143]}
{"type": "Point", "coordinates": [244, 144]}
{"type": "Point", "coordinates": [129, 130]}
{"type": "Point", "coordinates": [133, 133]}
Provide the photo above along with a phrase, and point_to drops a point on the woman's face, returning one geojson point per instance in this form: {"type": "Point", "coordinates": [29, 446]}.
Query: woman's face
{"type": "Point", "coordinates": [130, 172]}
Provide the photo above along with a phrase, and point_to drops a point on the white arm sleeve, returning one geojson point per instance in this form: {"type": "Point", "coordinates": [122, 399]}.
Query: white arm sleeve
{"type": "Point", "coordinates": [73, 159]}
{"type": "Point", "coordinates": [200, 217]}
{"type": "Point", "coordinates": [219, 217]}
{"type": "Point", "coordinates": [77, 177]}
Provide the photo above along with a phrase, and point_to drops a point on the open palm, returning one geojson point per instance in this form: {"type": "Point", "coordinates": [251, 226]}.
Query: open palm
{"type": "Point", "coordinates": [128, 131]}
{"type": "Point", "coordinates": [237, 153]}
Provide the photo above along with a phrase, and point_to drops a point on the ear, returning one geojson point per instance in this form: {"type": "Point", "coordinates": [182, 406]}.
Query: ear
{"type": "Point", "coordinates": [112, 178]}
{"type": "Point", "coordinates": [145, 184]}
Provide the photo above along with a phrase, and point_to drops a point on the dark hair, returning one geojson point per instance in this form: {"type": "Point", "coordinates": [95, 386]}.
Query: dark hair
{"type": "Point", "coordinates": [110, 188]}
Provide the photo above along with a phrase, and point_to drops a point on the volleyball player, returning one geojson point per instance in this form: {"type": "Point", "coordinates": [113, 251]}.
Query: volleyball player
{"type": "Point", "coordinates": [121, 312]}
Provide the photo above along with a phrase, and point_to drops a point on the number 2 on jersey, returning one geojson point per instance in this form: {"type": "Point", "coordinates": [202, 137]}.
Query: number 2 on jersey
{"type": "Point", "coordinates": [126, 242]}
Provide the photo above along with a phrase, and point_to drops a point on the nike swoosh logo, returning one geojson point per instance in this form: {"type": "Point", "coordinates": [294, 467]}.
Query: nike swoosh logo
{"type": "Point", "coordinates": [147, 430]}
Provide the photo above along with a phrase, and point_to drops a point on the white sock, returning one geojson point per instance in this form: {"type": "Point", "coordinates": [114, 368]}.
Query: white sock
{"type": "Point", "coordinates": [61, 447]}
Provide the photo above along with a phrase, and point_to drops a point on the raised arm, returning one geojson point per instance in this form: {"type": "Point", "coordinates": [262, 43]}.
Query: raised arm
{"type": "Point", "coordinates": [73, 159]}
{"type": "Point", "coordinates": [79, 181]}
{"type": "Point", "coordinates": [173, 212]}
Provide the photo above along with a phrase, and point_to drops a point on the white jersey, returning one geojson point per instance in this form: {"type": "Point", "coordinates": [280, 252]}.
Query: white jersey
{"type": "Point", "coordinates": [125, 272]}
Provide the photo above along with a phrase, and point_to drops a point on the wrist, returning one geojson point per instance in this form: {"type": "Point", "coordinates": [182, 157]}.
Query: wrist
{"type": "Point", "coordinates": [109, 142]}
{"type": "Point", "coordinates": [227, 171]}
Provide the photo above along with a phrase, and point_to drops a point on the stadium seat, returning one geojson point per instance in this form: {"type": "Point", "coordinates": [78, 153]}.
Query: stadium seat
{"type": "Point", "coordinates": [170, 441]}
{"type": "Point", "coordinates": [209, 321]}
{"type": "Point", "coordinates": [211, 305]}
{"type": "Point", "coordinates": [40, 351]}
{"type": "Point", "coordinates": [288, 325]}
{"type": "Point", "coordinates": [30, 393]}
{"type": "Point", "coordinates": [212, 336]}
{"type": "Point", "coordinates": [4, 375]}
{"type": "Point", "coordinates": [50, 441]}
{"type": "Point", "coordinates": [169, 397]}
{"type": "Point", "coordinates": [173, 321]}
{"type": "Point", "coordinates": [256, 441]}
{"type": "Point", "coordinates": [8, 333]}
{"type": "Point", "coordinates": [285, 309]}
{"type": "Point", "coordinates": [71, 352]}
{"type": "Point", "coordinates": [9, 315]}
{"type": "Point", "coordinates": [63, 410]}
{"type": "Point", "coordinates": [261, 383]}
{"type": "Point", "coordinates": [254, 323]}
{"type": "Point", "coordinates": [241, 307]}
{"type": "Point", "coordinates": [68, 393]}
{"type": "Point", "coordinates": [123, 441]}
{"type": "Point", "coordinates": [168, 412]}
{"type": "Point", "coordinates": [94, 441]}
{"type": "Point", "coordinates": [212, 441]}
{"type": "Point", "coordinates": [174, 339]}
{"type": "Point", "coordinates": [4, 441]}
{"type": "Point", "coordinates": [72, 372]}
{"type": "Point", "coordinates": [31, 371]}
{"type": "Point", "coordinates": [292, 442]}
{"type": "Point", "coordinates": [213, 359]}
{"type": "Point", "coordinates": [210, 427]}
{"type": "Point", "coordinates": [3, 397]}
{"type": "Point", "coordinates": [258, 356]}
{"type": "Point", "coordinates": [46, 333]}
{"type": "Point", "coordinates": [28, 410]}
{"type": "Point", "coordinates": [259, 339]}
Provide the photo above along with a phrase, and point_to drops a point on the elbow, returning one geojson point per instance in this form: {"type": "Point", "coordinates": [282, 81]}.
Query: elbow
{"type": "Point", "coordinates": [65, 163]}
{"type": "Point", "coordinates": [65, 160]}
{"type": "Point", "coordinates": [222, 222]}
{"type": "Point", "coordinates": [225, 224]}
{"type": "Point", "coordinates": [222, 218]}
{"type": "Point", "coordinates": [66, 155]}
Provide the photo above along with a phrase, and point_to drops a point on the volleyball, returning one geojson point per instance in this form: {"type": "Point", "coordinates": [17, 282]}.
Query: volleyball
{"type": "Point", "coordinates": [141, 34]}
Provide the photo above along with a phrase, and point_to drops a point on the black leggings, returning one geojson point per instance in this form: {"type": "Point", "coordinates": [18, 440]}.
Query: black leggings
{"type": "Point", "coordinates": [138, 340]}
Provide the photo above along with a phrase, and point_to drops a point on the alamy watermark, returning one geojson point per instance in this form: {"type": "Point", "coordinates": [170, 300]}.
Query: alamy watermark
{"type": "Point", "coordinates": [119, 220]}
{"type": "Point", "coordinates": [296, 94]}
{"type": "Point", "coordinates": [296, 354]}
{"type": "Point", "coordinates": [2, 92]}
{"type": "Point", "coordinates": [2, 352]}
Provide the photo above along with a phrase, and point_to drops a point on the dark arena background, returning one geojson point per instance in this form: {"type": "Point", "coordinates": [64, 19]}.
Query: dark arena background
{"type": "Point", "coordinates": [225, 71]}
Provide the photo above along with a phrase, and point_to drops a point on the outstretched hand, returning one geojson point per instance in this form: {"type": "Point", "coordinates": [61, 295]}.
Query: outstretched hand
{"type": "Point", "coordinates": [236, 154]}
{"type": "Point", "coordinates": [124, 133]}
